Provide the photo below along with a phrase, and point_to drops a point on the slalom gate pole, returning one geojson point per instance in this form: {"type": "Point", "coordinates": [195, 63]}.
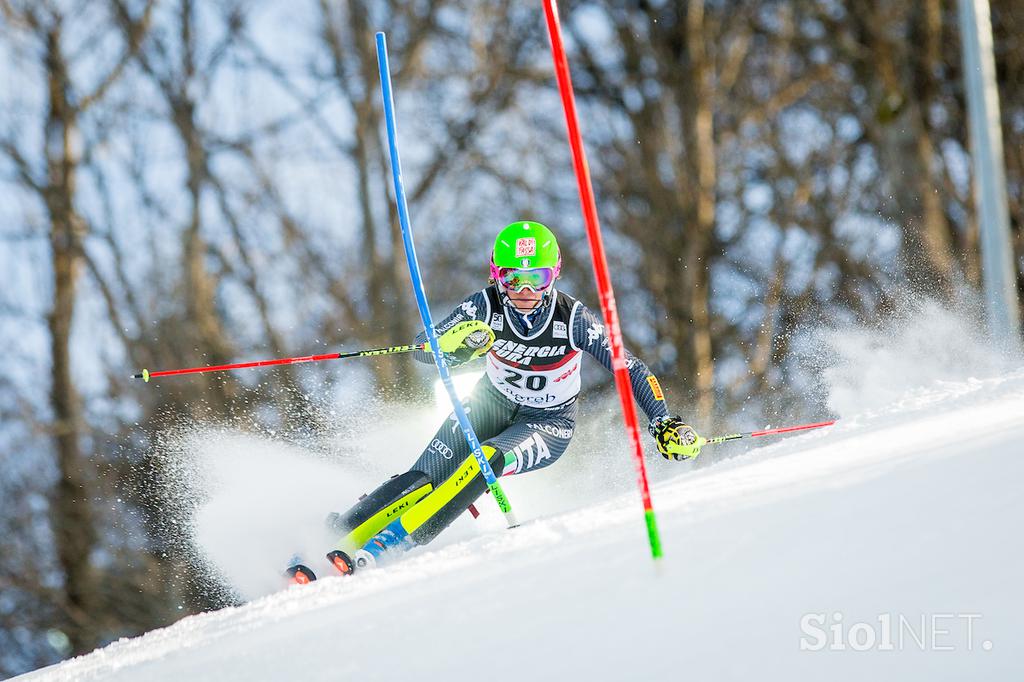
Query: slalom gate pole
{"type": "Point", "coordinates": [768, 432]}
{"type": "Point", "coordinates": [146, 375]}
{"type": "Point", "coordinates": [421, 296]}
{"type": "Point", "coordinates": [600, 263]}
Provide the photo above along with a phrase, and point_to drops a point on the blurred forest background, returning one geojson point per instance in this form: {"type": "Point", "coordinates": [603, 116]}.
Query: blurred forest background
{"type": "Point", "coordinates": [190, 182]}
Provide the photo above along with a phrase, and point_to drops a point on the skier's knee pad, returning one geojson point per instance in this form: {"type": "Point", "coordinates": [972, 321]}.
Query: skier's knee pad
{"type": "Point", "coordinates": [388, 501]}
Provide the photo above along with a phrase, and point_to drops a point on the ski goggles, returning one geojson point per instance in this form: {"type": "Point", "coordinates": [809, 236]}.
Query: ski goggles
{"type": "Point", "coordinates": [517, 279]}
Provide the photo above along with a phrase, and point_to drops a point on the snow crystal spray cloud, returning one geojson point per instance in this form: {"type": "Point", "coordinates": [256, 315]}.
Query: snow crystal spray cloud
{"type": "Point", "coordinates": [866, 369]}
{"type": "Point", "coordinates": [246, 503]}
{"type": "Point", "coordinates": [241, 504]}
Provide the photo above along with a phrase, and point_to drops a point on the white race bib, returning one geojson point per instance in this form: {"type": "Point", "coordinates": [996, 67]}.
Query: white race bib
{"type": "Point", "coordinates": [535, 386]}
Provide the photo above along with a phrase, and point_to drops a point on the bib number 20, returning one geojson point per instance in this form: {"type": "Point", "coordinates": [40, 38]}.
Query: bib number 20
{"type": "Point", "coordinates": [534, 382]}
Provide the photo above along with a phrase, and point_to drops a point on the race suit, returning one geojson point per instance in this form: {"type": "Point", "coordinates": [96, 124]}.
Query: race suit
{"type": "Point", "coordinates": [523, 411]}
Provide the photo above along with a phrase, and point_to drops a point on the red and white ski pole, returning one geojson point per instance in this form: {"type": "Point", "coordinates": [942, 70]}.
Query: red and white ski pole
{"type": "Point", "coordinates": [146, 375]}
{"type": "Point", "coordinates": [768, 432]}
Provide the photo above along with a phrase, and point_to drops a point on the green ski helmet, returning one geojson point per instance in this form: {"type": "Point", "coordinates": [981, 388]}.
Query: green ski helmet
{"type": "Point", "coordinates": [525, 255]}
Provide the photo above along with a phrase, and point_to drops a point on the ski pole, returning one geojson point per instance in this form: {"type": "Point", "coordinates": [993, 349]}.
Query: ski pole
{"type": "Point", "coordinates": [504, 504]}
{"type": "Point", "coordinates": [146, 375]}
{"type": "Point", "coordinates": [768, 432]}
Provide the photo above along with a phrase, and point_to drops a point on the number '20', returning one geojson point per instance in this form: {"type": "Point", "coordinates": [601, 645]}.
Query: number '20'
{"type": "Point", "coordinates": [534, 382]}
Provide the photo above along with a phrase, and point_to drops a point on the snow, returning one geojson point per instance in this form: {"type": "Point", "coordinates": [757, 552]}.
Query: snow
{"type": "Point", "coordinates": [906, 512]}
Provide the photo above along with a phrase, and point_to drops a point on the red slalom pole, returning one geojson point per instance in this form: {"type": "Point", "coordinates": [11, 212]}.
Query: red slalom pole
{"type": "Point", "coordinates": [769, 432]}
{"type": "Point", "coordinates": [600, 263]}
{"type": "Point", "coordinates": [146, 375]}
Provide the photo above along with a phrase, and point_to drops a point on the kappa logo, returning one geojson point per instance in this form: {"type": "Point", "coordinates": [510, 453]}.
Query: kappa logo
{"type": "Point", "coordinates": [594, 333]}
{"type": "Point", "coordinates": [497, 322]}
{"type": "Point", "coordinates": [456, 427]}
{"type": "Point", "coordinates": [527, 246]}
{"type": "Point", "coordinates": [469, 308]}
{"type": "Point", "coordinates": [559, 330]}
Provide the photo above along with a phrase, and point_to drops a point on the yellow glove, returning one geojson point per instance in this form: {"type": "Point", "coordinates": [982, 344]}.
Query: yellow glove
{"type": "Point", "coordinates": [467, 340]}
{"type": "Point", "coordinates": [675, 439]}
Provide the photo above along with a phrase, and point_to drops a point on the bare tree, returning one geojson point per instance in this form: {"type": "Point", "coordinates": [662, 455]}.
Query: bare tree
{"type": "Point", "coordinates": [51, 173]}
{"type": "Point", "coordinates": [201, 196]}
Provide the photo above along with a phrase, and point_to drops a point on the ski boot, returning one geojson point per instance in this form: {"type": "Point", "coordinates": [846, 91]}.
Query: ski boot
{"type": "Point", "coordinates": [388, 541]}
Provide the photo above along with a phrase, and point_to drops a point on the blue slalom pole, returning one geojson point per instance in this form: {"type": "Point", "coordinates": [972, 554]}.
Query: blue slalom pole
{"type": "Point", "coordinates": [421, 295]}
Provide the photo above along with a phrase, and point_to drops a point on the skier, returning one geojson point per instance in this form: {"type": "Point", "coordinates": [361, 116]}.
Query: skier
{"type": "Point", "coordinates": [523, 411]}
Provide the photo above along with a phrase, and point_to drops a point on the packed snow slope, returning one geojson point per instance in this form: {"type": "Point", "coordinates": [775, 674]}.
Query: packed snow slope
{"type": "Point", "coordinates": [908, 513]}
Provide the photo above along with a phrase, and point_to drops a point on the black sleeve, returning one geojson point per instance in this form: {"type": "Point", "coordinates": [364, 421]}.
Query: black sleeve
{"type": "Point", "coordinates": [474, 307]}
{"type": "Point", "coordinates": [588, 334]}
